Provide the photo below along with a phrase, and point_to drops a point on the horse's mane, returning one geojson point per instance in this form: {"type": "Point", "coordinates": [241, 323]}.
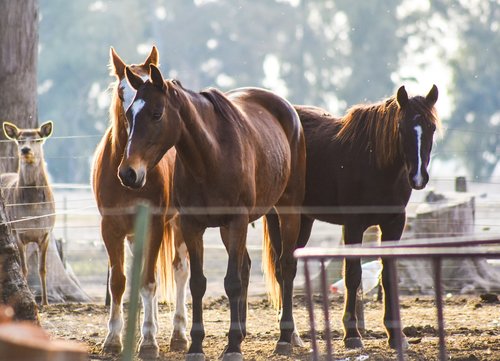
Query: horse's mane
{"type": "Point", "coordinates": [222, 105]}
{"type": "Point", "coordinates": [115, 112]}
{"type": "Point", "coordinates": [375, 126]}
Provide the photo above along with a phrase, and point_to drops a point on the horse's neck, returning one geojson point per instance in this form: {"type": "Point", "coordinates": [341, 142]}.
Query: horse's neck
{"type": "Point", "coordinates": [119, 134]}
{"type": "Point", "coordinates": [198, 147]}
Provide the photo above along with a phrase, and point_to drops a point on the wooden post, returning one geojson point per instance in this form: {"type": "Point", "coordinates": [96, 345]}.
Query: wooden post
{"type": "Point", "coordinates": [460, 184]}
{"type": "Point", "coordinates": [141, 230]}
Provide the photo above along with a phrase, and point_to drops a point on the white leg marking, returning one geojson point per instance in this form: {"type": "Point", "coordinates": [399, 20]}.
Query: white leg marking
{"type": "Point", "coordinates": [136, 108]}
{"type": "Point", "coordinates": [418, 179]}
{"type": "Point", "coordinates": [150, 322]}
{"type": "Point", "coordinates": [181, 275]}
{"type": "Point", "coordinates": [115, 326]}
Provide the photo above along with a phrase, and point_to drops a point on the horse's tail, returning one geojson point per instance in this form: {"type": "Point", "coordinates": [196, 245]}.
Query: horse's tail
{"type": "Point", "coordinates": [269, 267]}
{"type": "Point", "coordinates": [164, 265]}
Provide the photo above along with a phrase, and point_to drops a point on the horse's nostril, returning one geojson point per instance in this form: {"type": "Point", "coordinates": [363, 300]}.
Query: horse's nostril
{"type": "Point", "coordinates": [131, 176]}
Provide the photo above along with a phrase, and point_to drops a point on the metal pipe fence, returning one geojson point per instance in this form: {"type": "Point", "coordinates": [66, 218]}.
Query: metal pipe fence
{"type": "Point", "coordinates": [433, 249]}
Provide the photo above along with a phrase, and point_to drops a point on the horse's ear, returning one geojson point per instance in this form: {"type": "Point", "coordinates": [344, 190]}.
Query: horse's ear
{"type": "Point", "coordinates": [46, 129]}
{"type": "Point", "coordinates": [116, 64]}
{"type": "Point", "coordinates": [135, 81]}
{"type": "Point", "coordinates": [402, 97]}
{"type": "Point", "coordinates": [10, 131]}
{"type": "Point", "coordinates": [153, 58]}
{"type": "Point", "coordinates": [156, 77]}
{"type": "Point", "coordinates": [432, 96]}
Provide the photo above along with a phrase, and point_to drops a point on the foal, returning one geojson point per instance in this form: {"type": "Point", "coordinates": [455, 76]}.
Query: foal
{"type": "Point", "coordinates": [27, 194]}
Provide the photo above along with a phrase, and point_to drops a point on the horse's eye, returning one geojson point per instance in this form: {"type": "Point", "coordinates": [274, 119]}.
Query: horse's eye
{"type": "Point", "coordinates": [157, 115]}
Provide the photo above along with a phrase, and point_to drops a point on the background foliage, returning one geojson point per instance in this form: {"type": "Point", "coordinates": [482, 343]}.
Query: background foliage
{"type": "Point", "coordinates": [327, 53]}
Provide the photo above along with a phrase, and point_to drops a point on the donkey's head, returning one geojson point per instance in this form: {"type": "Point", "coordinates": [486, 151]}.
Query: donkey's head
{"type": "Point", "coordinates": [29, 142]}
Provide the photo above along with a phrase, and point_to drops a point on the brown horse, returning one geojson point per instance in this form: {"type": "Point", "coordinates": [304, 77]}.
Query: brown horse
{"type": "Point", "coordinates": [28, 196]}
{"type": "Point", "coordinates": [115, 204]}
{"type": "Point", "coordinates": [238, 155]}
{"type": "Point", "coordinates": [361, 170]}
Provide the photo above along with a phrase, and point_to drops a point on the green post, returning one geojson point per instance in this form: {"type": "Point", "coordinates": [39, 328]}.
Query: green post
{"type": "Point", "coordinates": [141, 231]}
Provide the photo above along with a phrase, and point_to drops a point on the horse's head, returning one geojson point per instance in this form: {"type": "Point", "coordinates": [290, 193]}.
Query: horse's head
{"type": "Point", "coordinates": [154, 125]}
{"type": "Point", "coordinates": [125, 92]}
{"type": "Point", "coordinates": [29, 142]}
{"type": "Point", "coordinates": [416, 130]}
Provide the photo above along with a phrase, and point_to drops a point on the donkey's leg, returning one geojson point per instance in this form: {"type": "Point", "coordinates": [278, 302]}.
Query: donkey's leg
{"type": "Point", "coordinates": [42, 267]}
{"type": "Point", "coordinates": [235, 241]}
{"type": "Point", "coordinates": [289, 227]}
{"type": "Point", "coordinates": [193, 236]}
{"type": "Point", "coordinates": [391, 231]}
{"type": "Point", "coordinates": [353, 234]}
{"type": "Point", "coordinates": [114, 242]}
{"type": "Point", "coordinates": [148, 346]}
{"type": "Point", "coordinates": [178, 340]}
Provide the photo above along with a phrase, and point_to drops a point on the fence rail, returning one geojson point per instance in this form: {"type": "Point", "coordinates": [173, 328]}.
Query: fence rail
{"type": "Point", "coordinates": [434, 249]}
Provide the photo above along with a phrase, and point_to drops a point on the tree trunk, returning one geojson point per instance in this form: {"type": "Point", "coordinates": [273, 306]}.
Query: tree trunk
{"type": "Point", "coordinates": [18, 71]}
{"type": "Point", "coordinates": [14, 290]}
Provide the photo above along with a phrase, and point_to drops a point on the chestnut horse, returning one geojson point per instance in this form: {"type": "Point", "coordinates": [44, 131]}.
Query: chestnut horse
{"type": "Point", "coordinates": [239, 154]}
{"type": "Point", "coordinates": [361, 170]}
{"type": "Point", "coordinates": [116, 203]}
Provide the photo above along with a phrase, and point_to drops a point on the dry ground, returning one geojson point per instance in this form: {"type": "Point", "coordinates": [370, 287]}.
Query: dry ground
{"type": "Point", "coordinates": [472, 326]}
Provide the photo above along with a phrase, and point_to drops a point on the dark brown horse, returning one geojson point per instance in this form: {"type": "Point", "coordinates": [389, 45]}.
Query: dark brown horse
{"type": "Point", "coordinates": [361, 170]}
{"type": "Point", "coordinates": [116, 203]}
{"type": "Point", "coordinates": [238, 155]}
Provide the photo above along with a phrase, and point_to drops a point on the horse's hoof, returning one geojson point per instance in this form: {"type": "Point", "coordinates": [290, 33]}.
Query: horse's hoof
{"type": "Point", "coordinates": [232, 356]}
{"type": "Point", "coordinates": [178, 342]}
{"type": "Point", "coordinates": [404, 343]}
{"type": "Point", "coordinates": [283, 348]}
{"type": "Point", "coordinates": [112, 349]}
{"type": "Point", "coordinates": [296, 340]}
{"type": "Point", "coordinates": [147, 352]}
{"type": "Point", "coordinates": [195, 357]}
{"type": "Point", "coordinates": [353, 342]}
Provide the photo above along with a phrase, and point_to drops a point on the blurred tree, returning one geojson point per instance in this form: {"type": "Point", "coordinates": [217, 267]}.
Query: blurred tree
{"type": "Point", "coordinates": [75, 37]}
{"type": "Point", "coordinates": [473, 129]}
{"type": "Point", "coordinates": [18, 66]}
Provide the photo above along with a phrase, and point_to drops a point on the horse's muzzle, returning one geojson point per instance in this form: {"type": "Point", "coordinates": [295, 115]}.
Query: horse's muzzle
{"type": "Point", "coordinates": [132, 178]}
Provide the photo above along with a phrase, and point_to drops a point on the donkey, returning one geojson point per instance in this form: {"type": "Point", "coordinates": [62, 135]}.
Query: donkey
{"type": "Point", "coordinates": [28, 197]}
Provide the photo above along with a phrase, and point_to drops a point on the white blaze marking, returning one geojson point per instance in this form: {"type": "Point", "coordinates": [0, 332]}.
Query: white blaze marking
{"type": "Point", "coordinates": [136, 108]}
{"type": "Point", "coordinates": [418, 179]}
{"type": "Point", "coordinates": [128, 92]}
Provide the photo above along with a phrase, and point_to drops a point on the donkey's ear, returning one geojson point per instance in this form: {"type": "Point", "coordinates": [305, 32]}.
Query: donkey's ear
{"type": "Point", "coordinates": [432, 96]}
{"type": "Point", "coordinates": [153, 58]}
{"type": "Point", "coordinates": [135, 81]}
{"type": "Point", "coordinates": [10, 131]}
{"type": "Point", "coordinates": [46, 129]}
{"type": "Point", "coordinates": [156, 77]}
{"type": "Point", "coordinates": [402, 97]}
{"type": "Point", "coordinates": [116, 64]}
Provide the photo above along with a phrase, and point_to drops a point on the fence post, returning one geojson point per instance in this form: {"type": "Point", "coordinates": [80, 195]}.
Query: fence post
{"type": "Point", "coordinates": [141, 231]}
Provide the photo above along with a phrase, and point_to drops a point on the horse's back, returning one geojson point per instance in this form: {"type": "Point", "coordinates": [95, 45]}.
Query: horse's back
{"type": "Point", "coordinates": [276, 105]}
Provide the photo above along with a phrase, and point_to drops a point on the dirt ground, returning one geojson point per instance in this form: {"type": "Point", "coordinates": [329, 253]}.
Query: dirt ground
{"type": "Point", "coordinates": [472, 328]}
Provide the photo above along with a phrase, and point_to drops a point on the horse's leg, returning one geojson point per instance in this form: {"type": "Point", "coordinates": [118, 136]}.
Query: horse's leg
{"type": "Point", "coordinates": [391, 231]}
{"type": "Point", "coordinates": [198, 285]}
{"type": "Point", "coordinates": [42, 267]}
{"type": "Point", "coordinates": [245, 280]}
{"type": "Point", "coordinates": [235, 242]}
{"type": "Point", "coordinates": [148, 346]}
{"type": "Point", "coordinates": [114, 242]}
{"type": "Point", "coordinates": [178, 340]}
{"type": "Point", "coordinates": [352, 277]}
{"type": "Point", "coordinates": [289, 229]}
